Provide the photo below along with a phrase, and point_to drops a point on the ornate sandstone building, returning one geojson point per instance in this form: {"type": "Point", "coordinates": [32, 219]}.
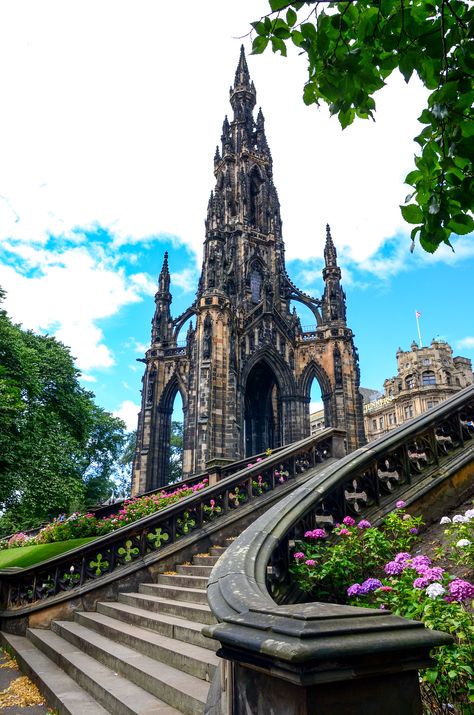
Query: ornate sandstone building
{"type": "Point", "coordinates": [425, 377]}
{"type": "Point", "coordinates": [246, 371]}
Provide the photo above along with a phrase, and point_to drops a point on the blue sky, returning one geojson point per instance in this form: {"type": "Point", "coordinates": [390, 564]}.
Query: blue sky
{"type": "Point", "coordinates": [107, 162]}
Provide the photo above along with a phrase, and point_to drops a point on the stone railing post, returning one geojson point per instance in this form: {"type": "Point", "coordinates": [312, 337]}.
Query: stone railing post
{"type": "Point", "coordinates": [321, 659]}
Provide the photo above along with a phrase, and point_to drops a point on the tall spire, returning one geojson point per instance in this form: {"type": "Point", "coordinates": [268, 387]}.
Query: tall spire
{"type": "Point", "coordinates": [330, 254]}
{"type": "Point", "coordinates": [164, 279]}
{"type": "Point", "coordinates": [242, 95]}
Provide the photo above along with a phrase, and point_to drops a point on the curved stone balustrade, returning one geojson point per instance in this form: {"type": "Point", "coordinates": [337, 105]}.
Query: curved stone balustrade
{"type": "Point", "coordinates": [139, 543]}
{"type": "Point", "coordinates": [301, 643]}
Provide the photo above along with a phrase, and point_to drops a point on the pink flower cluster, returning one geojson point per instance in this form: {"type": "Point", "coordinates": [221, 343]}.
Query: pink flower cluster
{"type": "Point", "coordinates": [315, 534]}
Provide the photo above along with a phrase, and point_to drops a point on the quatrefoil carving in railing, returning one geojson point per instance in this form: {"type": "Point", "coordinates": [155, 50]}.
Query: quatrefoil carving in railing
{"type": "Point", "coordinates": [128, 552]}
{"type": "Point", "coordinates": [356, 499]}
{"type": "Point", "coordinates": [100, 565]}
{"type": "Point", "coordinates": [157, 537]}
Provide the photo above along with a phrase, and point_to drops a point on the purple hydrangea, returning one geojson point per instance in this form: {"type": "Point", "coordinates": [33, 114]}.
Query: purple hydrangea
{"type": "Point", "coordinates": [316, 534]}
{"type": "Point", "coordinates": [401, 504]}
{"type": "Point", "coordinates": [461, 590]}
{"type": "Point", "coordinates": [420, 561]}
{"type": "Point", "coordinates": [413, 530]}
{"type": "Point", "coordinates": [354, 590]}
{"type": "Point", "coordinates": [433, 574]}
{"type": "Point", "coordinates": [364, 524]}
{"type": "Point", "coordinates": [348, 521]}
{"type": "Point", "coordinates": [420, 582]}
{"type": "Point", "coordinates": [310, 562]}
{"type": "Point", "coordinates": [402, 557]}
{"type": "Point", "coordinates": [370, 584]}
{"type": "Point", "coordinates": [299, 555]}
{"type": "Point", "coordinates": [393, 568]}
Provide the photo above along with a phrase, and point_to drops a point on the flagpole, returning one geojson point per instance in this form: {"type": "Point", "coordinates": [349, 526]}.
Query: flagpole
{"type": "Point", "coordinates": [417, 316]}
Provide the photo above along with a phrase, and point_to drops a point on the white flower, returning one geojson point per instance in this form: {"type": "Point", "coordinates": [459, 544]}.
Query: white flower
{"type": "Point", "coordinates": [445, 520]}
{"type": "Point", "coordinates": [459, 519]}
{"type": "Point", "coordinates": [469, 514]}
{"type": "Point", "coordinates": [463, 542]}
{"type": "Point", "coordinates": [434, 590]}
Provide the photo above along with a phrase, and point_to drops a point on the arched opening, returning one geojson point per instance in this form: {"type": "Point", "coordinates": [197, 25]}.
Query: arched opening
{"type": "Point", "coordinates": [262, 410]}
{"type": "Point", "coordinates": [305, 314]}
{"type": "Point", "coordinates": [316, 408]}
{"type": "Point", "coordinates": [182, 332]}
{"type": "Point", "coordinates": [175, 458]}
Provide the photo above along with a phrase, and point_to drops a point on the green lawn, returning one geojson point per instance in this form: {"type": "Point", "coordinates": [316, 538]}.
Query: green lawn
{"type": "Point", "coordinates": [27, 555]}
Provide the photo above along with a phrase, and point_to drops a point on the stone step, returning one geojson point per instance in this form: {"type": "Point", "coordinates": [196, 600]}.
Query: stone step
{"type": "Point", "coordinates": [189, 658]}
{"type": "Point", "coordinates": [117, 694]}
{"type": "Point", "coordinates": [192, 570]}
{"type": "Point", "coordinates": [175, 593]}
{"type": "Point", "coordinates": [124, 681]}
{"type": "Point", "coordinates": [217, 550]}
{"type": "Point", "coordinates": [62, 693]}
{"type": "Point", "coordinates": [205, 560]}
{"type": "Point", "coordinates": [170, 626]}
{"type": "Point", "coordinates": [189, 611]}
{"type": "Point", "coordinates": [177, 579]}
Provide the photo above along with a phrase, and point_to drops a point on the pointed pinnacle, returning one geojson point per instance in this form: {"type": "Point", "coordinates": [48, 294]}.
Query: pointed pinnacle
{"type": "Point", "coordinates": [242, 76]}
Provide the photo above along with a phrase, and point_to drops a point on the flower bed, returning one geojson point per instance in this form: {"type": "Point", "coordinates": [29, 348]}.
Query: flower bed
{"type": "Point", "coordinates": [367, 566]}
{"type": "Point", "coordinates": [78, 526]}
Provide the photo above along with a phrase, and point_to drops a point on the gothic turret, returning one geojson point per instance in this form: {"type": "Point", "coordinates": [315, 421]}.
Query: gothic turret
{"type": "Point", "coordinates": [334, 298]}
{"type": "Point", "coordinates": [160, 331]}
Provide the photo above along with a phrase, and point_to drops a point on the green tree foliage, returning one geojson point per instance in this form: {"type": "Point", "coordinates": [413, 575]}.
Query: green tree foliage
{"type": "Point", "coordinates": [352, 47]}
{"type": "Point", "coordinates": [56, 445]}
{"type": "Point", "coordinates": [176, 453]}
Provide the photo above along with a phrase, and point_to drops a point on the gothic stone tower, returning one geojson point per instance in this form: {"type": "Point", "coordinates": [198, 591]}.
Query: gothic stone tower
{"type": "Point", "coordinates": [246, 371]}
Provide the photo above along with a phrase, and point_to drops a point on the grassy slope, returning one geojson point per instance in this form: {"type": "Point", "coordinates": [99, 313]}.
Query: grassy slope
{"type": "Point", "coordinates": [28, 555]}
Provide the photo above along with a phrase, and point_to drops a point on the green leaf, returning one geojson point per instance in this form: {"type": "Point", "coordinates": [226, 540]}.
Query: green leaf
{"type": "Point", "coordinates": [278, 46]}
{"type": "Point", "coordinates": [412, 213]}
{"type": "Point", "coordinates": [259, 27]}
{"type": "Point", "coordinates": [278, 4]}
{"type": "Point", "coordinates": [461, 224]}
{"type": "Point", "coordinates": [291, 17]}
{"type": "Point", "coordinates": [346, 118]}
{"type": "Point", "coordinates": [259, 44]}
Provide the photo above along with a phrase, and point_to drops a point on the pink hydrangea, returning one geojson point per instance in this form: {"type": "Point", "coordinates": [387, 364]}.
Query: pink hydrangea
{"type": "Point", "coordinates": [401, 504]}
{"type": "Point", "coordinates": [315, 534]}
{"type": "Point", "coordinates": [348, 521]}
{"type": "Point", "coordinates": [460, 590]}
{"type": "Point", "coordinates": [420, 582]}
{"type": "Point", "coordinates": [310, 562]}
{"type": "Point", "coordinates": [344, 532]}
{"type": "Point", "coordinates": [299, 555]}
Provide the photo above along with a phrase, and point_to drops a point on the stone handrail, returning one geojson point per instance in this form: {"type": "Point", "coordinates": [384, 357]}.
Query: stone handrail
{"type": "Point", "coordinates": [294, 642]}
{"type": "Point", "coordinates": [85, 567]}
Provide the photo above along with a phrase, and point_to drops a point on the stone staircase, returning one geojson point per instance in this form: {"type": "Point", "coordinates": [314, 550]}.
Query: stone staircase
{"type": "Point", "coordinates": [141, 655]}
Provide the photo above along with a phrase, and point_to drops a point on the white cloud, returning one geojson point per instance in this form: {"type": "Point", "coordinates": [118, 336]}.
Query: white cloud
{"type": "Point", "coordinates": [136, 346]}
{"type": "Point", "coordinates": [185, 279]}
{"type": "Point", "coordinates": [88, 378]}
{"type": "Point", "coordinates": [467, 342]}
{"type": "Point", "coordinates": [315, 406]}
{"type": "Point", "coordinates": [123, 135]}
{"type": "Point", "coordinates": [68, 293]}
{"type": "Point", "coordinates": [128, 412]}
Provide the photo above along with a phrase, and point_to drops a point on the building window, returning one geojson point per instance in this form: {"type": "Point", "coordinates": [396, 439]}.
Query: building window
{"type": "Point", "coordinates": [431, 403]}
{"type": "Point", "coordinates": [410, 382]}
{"type": "Point", "coordinates": [374, 425]}
{"type": "Point", "coordinates": [255, 285]}
{"type": "Point", "coordinates": [381, 422]}
{"type": "Point", "coordinates": [408, 412]}
{"type": "Point", "coordinates": [426, 361]}
{"type": "Point", "coordinates": [448, 379]}
{"type": "Point", "coordinates": [391, 418]}
{"type": "Point", "coordinates": [429, 378]}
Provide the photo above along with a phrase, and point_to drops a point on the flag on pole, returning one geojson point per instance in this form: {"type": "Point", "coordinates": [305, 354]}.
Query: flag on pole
{"type": "Point", "coordinates": [418, 314]}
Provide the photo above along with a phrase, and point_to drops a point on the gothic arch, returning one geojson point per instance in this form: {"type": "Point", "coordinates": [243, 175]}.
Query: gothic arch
{"type": "Point", "coordinates": [275, 362]}
{"type": "Point", "coordinates": [173, 386]}
{"type": "Point", "coordinates": [309, 304]}
{"type": "Point", "coordinates": [180, 321]}
{"type": "Point", "coordinates": [315, 371]}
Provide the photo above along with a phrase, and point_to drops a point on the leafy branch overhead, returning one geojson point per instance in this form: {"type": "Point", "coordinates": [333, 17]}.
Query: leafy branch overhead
{"type": "Point", "coordinates": [352, 47]}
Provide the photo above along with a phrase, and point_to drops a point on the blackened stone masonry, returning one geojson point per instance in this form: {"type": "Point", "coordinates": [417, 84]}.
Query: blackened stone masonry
{"type": "Point", "coordinates": [246, 370]}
